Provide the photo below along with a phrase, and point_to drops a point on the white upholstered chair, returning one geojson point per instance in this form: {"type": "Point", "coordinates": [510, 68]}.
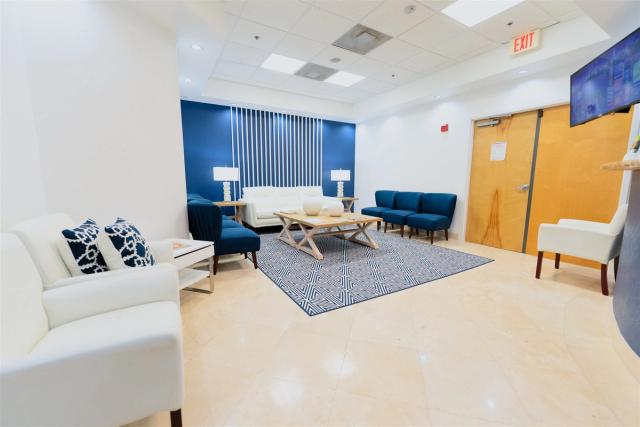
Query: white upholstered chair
{"type": "Point", "coordinates": [596, 241]}
{"type": "Point", "coordinates": [103, 350]}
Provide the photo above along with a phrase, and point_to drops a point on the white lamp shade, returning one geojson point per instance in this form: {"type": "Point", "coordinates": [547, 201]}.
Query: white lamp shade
{"type": "Point", "coordinates": [226, 174]}
{"type": "Point", "coordinates": [340, 175]}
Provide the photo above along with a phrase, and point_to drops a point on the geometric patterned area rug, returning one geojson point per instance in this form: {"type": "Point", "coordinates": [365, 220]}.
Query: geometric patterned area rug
{"type": "Point", "coordinates": [352, 273]}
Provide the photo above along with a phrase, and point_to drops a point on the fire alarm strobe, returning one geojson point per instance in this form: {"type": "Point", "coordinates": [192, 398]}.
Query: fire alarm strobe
{"type": "Point", "coordinates": [444, 127]}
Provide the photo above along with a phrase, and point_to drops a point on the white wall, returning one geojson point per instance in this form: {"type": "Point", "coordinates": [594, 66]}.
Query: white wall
{"type": "Point", "coordinates": [91, 116]}
{"type": "Point", "coordinates": [406, 151]}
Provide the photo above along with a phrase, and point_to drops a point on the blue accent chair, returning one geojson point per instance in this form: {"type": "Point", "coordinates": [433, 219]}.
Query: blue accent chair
{"type": "Point", "coordinates": [206, 223]}
{"type": "Point", "coordinates": [385, 201]}
{"type": "Point", "coordinates": [436, 214]}
{"type": "Point", "coordinates": [407, 203]}
{"type": "Point", "coordinates": [227, 222]}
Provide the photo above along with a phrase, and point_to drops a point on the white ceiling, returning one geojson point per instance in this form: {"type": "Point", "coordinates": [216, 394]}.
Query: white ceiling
{"type": "Point", "coordinates": [423, 42]}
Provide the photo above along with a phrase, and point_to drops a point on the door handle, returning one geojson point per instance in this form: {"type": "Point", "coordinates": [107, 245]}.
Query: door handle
{"type": "Point", "coordinates": [523, 187]}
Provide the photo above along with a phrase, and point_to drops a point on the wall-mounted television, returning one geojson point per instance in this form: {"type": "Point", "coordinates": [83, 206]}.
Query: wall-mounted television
{"type": "Point", "coordinates": [609, 83]}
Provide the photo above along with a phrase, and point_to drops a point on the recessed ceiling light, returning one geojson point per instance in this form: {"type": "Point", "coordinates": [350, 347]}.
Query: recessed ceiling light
{"type": "Point", "coordinates": [438, 96]}
{"type": "Point", "coordinates": [472, 12]}
{"type": "Point", "coordinates": [522, 72]}
{"type": "Point", "coordinates": [336, 59]}
{"type": "Point", "coordinates": [187, 80]}
{"type": "Point", "coordinates": [282, 64]}
{"type": "Point", "coordinates": [342, 78]}
{"type": "Point", "coordinates": [196, 47]}
{"type": "Point", "coordinates": [410, 9]}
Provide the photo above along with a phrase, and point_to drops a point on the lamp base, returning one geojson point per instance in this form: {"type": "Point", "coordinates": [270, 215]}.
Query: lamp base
{"type": "Point", "coordinates": [340, 189]}
{"type": "Point", "coordinates": [226, 188]}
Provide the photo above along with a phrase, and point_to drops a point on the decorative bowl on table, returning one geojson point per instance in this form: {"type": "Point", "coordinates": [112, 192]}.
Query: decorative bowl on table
{"type": "Point", "coordinates": [312, 205]}
{"type": "Point", "coordinates": [335, 208]}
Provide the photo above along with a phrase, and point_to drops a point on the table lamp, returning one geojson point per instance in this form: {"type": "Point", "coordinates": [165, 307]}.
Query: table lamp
{"type": "Point", "coordinates": [226, 175]}
{"type": "Point", "coordinates": [340, 175]}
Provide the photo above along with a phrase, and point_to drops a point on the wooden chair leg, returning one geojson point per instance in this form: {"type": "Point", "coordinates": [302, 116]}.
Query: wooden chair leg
{"type": "Point", "coordinates": [539, 264]}
{"type": "Point", "coordinates": [417, 232]}
{"type": "Point", "coordinates": [176, 418]}
{"type": "Point", "coordinates": [446, 235]}
{"type": "Point", "coordinates": [385, 226]}
{"type": "Point", "coordinates": [246, 255]}
{"type": "Point", "coordinates": [616, 263]}
{"type": "Point", "coordinates": [402, 231]}
{"type": "Point", "coordinates": [215, 264]}
{"type": "Point", "coordinates": [603, 279]}
{"type": "Point", "coordinates": [378, 225]}
{"type": "Point", "coordinates": [410, 231]}
{"type": "Point", "coordinates": [557, 265]}
{"type": "Point", "coordinates": [432, 237]}
{"type": "Point", "coordinates": [255, 260]}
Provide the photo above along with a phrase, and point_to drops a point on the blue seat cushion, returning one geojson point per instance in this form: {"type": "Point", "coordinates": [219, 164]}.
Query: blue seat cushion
{"type": "Point", "coordinates": [429, 221]}
{"type": "Point", "coordinates": [236, 240]}
{"type": "Point", "coordinates": [397, 216]}
{"type": "Point", "coordinates": [375, 211]}
{"type": "Point", "coordinates": [228, 223]}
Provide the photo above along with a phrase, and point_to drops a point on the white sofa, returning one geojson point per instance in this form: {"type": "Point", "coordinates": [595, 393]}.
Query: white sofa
{"type": "Point", "coordinates": [102, 350]}
{"type": "Point", "coordinates": [262, 202]}
{"type": "Point", "coordinates": [596, 241]}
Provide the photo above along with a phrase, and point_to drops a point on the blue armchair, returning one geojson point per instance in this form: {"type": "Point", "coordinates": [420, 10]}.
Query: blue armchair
{"type": "Point", "coordinates": [406, 203]}
{"type": "Point", "coordinates": [206, 223]}
{"type": "Point", "coordinates": [226, 221]}
{"type": "Point", "coordinates": [437, 212]}
{"type": "Point", "coordinates": [385, 201]}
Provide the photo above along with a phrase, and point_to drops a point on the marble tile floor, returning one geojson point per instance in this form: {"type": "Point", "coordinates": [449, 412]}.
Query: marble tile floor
{"type": "Point", "coordinates": [489, 346]}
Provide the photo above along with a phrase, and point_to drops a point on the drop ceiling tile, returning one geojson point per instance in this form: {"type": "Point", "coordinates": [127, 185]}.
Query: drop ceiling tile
{"type": "Point", "coordinates": [354, 10]}
{"type": "Point", "coordinates": [233, 7]}
{"type": "Point", "coordinates": [433, 32]}
{"type": "Point", "coordinates": [560, 10]}
{"type": "Point", "coordinates": [298, 47]}
{"type": "Point", "coordinates": [274, 13]}
{"type": "Point", "coordinates": [394, 51]}
{"type": "Point", "coordinates": [424, 62]}
{"type": "Point", "coordinates": [373, 86]}
{"type": "Point", "coordinates": [391, 19]}
{"type": "Point", "coordinates": [233, 70]}
{"type": "Point", "coordinates": [463, 44]}
{"type": "Point", "coordinates": [269, 77]}
{"type": "Point", "coordinates": [437, 5]}
{"type": "Point", "coordinates": [524, 17]}
{"type": "Point", "coordinates": [321, 26]}
{"type": "Point", "coordinates": [242, 54]}
{"type": "Point", "coordinates": [300, 84]}
{"type": "Point", "coordinates": [245, 31]}
{"type": "Point", "coordinates": [381, 71]}
{"type": "Point", "coordinates": [346, 57]}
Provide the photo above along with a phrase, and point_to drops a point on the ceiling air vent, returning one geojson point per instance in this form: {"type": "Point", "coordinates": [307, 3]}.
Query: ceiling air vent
{"type": "Point", "coordinates": [361, 39]}
{"type": "Point", "coordinates": [315, 71]}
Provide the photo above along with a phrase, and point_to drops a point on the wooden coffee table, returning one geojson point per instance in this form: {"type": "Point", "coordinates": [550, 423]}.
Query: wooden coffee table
{"type": "Point", "coordinates": [347, 226]}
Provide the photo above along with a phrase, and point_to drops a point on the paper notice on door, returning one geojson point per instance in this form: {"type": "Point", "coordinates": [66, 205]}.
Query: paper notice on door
{"type": "Point", "coordinates": [498, 151]}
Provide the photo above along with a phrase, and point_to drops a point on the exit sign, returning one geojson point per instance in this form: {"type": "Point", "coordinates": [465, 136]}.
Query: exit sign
{"type": "Point", "coordinates": [525, 42]}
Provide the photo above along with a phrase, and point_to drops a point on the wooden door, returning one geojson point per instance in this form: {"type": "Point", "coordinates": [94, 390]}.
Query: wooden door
{"type": "Point", "coordinates": [568, 180]}
{"type": "Point", "coordinates": [498, 195]}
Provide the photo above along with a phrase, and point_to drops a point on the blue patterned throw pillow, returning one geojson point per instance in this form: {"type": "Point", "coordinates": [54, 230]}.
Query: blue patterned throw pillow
{"type": "Point", "coordinates": [127, 247]}
{"type": "Point", "coordinates": [79, 249]}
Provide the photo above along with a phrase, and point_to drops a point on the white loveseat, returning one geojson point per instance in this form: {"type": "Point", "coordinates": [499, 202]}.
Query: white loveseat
{"type": "Point", "coordinates": [262, 202]}
{"type": "Point", "coordinates": [99, 349]}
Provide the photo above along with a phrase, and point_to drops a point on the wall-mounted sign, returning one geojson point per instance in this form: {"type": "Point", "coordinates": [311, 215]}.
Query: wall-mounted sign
{"type": "Point", "coordinates": [498, 151]}
{"type": "Point", "coordinates": [525, 42]}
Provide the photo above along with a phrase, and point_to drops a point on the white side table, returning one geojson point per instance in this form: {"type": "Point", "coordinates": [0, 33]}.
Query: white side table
{"type": "Point", "coordinates": [187, 253]}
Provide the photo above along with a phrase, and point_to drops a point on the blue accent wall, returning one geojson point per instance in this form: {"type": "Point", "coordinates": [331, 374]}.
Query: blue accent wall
{"type": "Point", "coordinates": [338, 152]}
{"type": "Point", "coordinates": [207, 139]}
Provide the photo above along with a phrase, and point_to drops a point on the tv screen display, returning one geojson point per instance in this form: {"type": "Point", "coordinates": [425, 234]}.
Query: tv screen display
{"type": "Point", "coordinates": [609, 83]}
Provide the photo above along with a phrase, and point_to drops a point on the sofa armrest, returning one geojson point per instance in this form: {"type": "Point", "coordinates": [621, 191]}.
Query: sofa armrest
{"type": "Point", "coordinates": [579, 242]}
{"type": "Point", "coordinates": [128, 288]}
{"type": "Point", "coordinates": [249, 213]}
{"type": "Point", "coordinates": [113, 383]}
{"type": "Point", "coordinates": [585, 225]}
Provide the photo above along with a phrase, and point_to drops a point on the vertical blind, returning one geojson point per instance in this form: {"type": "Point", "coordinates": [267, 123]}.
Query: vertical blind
{"type": "Point", "coordinates": [277, 149]}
